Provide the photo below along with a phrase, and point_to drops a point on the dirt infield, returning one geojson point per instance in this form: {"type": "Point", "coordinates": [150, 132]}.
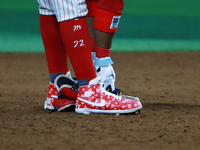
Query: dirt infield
{"type": "Point", "coordinates": [168, 84]}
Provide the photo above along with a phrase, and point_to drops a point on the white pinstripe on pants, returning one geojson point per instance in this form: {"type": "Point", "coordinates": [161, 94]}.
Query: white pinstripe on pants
{"type": "Point", "coordinates": [63, 9]}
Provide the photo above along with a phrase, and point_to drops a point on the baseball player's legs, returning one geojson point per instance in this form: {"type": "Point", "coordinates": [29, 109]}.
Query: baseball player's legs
{"type": "Point", "coordinates": [104, 34]}
{"type": "Point", "coordinates": [76, 43]}
{"type": "Point", "coordinates": [112, 13]}
{"type": "Point", "coordinates": [56, 58]}
{"type": "Point", "coordinates": [53, 45]}
{"type": "Point", "coordinates": [107, 13]}
{"type": "Point", "coordinates": [51, 12]}
{"type": "Point", "coordinates": [74, 32]}
{"type": "Point", "coordinates": [92, 6]}
{"type": "Point", "coordinates": [75, 37]}
{"type": "Point", "coordinates": [76, 40]}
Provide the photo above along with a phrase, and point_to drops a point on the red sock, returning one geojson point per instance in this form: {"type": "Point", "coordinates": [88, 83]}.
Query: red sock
{"type": "Point", "coordinates": [91, 6]}
{"type": "Point", "coordinates": [92, 44]}
{"type": "Point", "coordinates": [77, 43]}
{"type": "Point", "coordinates": [102, 52]}
{"type": "Point", "coordinates": [54, 48]}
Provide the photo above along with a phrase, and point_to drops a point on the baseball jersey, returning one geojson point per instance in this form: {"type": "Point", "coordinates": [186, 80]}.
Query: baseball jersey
{"type": "Point", "coordinates": [63, 9]}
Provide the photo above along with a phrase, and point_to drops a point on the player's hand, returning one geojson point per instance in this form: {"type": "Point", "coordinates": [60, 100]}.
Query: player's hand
{"type": "Point", "coordinates": [107, 75]}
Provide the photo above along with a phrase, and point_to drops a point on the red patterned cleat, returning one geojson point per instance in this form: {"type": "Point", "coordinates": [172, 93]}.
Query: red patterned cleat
{"type": "Point", "coordinates": [63, 104]}
{"type": "Point", "coordinates": [93, 98]}
{"type": "Point", "coordinates": [51, 96]}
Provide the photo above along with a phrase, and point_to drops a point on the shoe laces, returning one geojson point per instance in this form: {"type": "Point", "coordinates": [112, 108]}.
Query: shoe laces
{"type": "Point", "coordinates": [109, 93]}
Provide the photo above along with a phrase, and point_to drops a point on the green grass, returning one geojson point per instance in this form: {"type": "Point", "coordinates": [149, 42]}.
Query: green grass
{"type": "Point", "coordinates": [142, 45]}
{"type": "Point", "coordinates": [33, 43]}
{"type": "Point", "coordinates": [163, 7]}
{"type": "Point", "coordinates": [141, 7]}
{"type": "Point", "coordinates": [21, 43]}
{"type": "Point", "coordinates": [145, 25]}
{"type": "Point", "coordinates": [26, 5]}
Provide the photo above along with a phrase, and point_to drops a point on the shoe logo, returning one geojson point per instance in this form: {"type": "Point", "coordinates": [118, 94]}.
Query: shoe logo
{"type": "Point", "coordinates": [112, 75]}
{"type": "Point", "coordinates": [101, 104]}
{"type": "Point", "coordinates": [49, 101]}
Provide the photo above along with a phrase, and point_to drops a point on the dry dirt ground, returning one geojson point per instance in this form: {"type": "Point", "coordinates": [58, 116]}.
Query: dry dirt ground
{"type": "Point", "coordinates": [168, 84]}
